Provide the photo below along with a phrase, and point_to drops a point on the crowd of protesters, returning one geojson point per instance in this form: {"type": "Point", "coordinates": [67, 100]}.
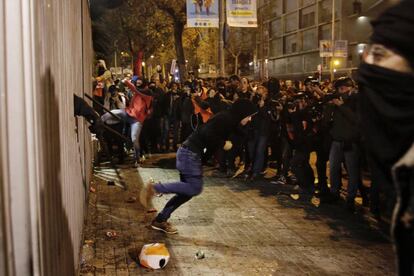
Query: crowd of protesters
{"type": "Point", "coordinates": [293, 120]}
{"type": "Point", "coordinates": [349, 127]}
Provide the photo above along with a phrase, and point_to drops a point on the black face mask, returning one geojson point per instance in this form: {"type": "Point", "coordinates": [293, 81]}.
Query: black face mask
{"type": "Point", "coordinates": [101, 70]}
{"type": "Point", "coordinates": [387, 114]}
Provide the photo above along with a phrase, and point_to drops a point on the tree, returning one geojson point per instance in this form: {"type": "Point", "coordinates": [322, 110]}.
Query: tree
{"type": "Point", "coordinates": [239, 41]}
{"type": "Point", "coordinates": [139, 26]}
{"type": "Point", "coordinates": [98, 9]}
{"type": "Point", "coordinates": [176, 10]}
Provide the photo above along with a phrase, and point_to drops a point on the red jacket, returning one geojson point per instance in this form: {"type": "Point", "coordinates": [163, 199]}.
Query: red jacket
{"type": "Point", "coordinates": [140, 104]}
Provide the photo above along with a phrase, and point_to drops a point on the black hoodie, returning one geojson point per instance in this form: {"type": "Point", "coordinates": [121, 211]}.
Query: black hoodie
{"type": "Point", "coordinates": [212, 135]}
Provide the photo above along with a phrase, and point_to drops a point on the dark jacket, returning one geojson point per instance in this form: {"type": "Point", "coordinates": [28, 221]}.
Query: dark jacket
{"type": "Point", "coordinates": [213, 134]}
{"type": "Point", "coordinates": [159, 103]}
{"type": "Point", "coordinates": [298, 126]}
{"type": "Point", "coordinates": [345, 121]}
{"type": "Point", "coordinates": [172, 104]}
{"type": "Point", "coordinates": [186, 109]}
{"type": "Point", "coordinates": [217, 104]}
{"type": "Point", "coordinates": [265, 118]}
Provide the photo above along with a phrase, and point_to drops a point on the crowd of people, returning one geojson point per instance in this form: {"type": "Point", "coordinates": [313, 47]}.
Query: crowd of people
{"type": "Point", "coordinates": [293, 120]}
{"type": "Point", "coordinates": [353, 129]}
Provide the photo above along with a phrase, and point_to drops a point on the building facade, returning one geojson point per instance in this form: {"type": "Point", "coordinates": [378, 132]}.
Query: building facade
{"type": "Point", "coordinates": [290, 30]}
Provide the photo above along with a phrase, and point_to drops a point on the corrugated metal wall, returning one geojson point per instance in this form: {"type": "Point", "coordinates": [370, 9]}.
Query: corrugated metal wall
{"type": "Point", "coordinates": [65, 67]}
{"type": "Point", "coordinates": [45, 151]}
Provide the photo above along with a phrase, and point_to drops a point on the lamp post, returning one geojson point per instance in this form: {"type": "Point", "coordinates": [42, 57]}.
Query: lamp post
{"type": "Point", "coordinates": [331, 67]}
{"type": "Point", "coordinates": [221, 39]}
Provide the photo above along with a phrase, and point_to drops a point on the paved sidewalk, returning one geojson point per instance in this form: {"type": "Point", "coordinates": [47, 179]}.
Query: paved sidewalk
{"type": "Point", "coordinates": [243, 229]}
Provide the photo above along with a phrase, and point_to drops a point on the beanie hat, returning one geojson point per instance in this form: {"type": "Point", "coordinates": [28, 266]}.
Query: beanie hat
{"type": "Point", "coordinates": [395, 29]}
{"type": "Point", "coordinates": [134, 79]}
{"type": "Point", "coordinates": [242, 108]}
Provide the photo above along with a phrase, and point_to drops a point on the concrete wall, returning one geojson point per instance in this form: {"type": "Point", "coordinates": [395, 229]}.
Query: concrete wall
{"type": "Point", "coordinates": [46, 56]}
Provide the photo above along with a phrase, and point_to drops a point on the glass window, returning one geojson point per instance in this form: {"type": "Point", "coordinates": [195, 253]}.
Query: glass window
{"type": "Point", "coordinates": [290, 5]}
{"type": "Point", "coordinates": [291, 22]}
{"type": "Point", "coordinates": [276, 28]}
{"type": "Point", "coordinates": [325, 31]}
{"type": "Point", "coordinates": [325, 11]}
{"type": "Point", "coordinates": [276, 7]}
{"type": "Point", "coordinates": [310, 39]}
{"type": "Point", "coordinates": [276, 47]}
{"type": "Point", "coordinates": [307, 17]}
{"type": "Point", "coordinates": [291, 44]}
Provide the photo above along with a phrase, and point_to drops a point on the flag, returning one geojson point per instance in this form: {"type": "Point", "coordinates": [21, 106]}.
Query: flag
{"type": "Point", "coordinates": [241, 13]}
{"type": "Point", "coordinates": [203, 13]}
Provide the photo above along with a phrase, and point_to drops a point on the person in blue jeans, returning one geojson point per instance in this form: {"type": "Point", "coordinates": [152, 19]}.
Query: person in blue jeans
{"type": "Point", "coordinates": [204, 142]}
{"type": "Point", "coordinates": [260, 131]}
{"type": "Point", "coordinates": [345, 141]}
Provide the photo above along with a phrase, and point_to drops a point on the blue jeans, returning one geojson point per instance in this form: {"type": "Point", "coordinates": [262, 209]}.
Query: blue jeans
{"type": "Point", "coordinates": [190, 184]}
{"type": "Point", "coordinates": [136, 126]}
{"type": "Point", "coordinates": [257, 150]}
{"type": "Point", "coordinates": [351, 157]}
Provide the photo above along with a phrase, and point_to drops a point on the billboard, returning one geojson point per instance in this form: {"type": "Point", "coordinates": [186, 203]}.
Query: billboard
{"type": "Point", "coordinates": [341, 48]}
{"type": "Point", "coordinates": [203, 13]}
{"type": "Point", "coordinates": [325, 48]}
{"type": "Point", "coordinates": [242, 13]}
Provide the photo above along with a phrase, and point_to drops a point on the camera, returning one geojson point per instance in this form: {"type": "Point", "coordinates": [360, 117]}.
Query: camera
{"type": "Point", "coordinates": [290, 105]}
{"type": "Point", "coordinates": [336, 95]}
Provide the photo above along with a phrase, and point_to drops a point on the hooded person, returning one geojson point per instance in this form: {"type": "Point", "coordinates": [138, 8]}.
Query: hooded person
{"type": "Point", "coordinates": [386, 79]}
{"type": "Point", "coordinates": [139, 108]}
{"type": "Point", "coordinates": [104, 75]}
{"type": "Point", "coordinates": [204, 142]}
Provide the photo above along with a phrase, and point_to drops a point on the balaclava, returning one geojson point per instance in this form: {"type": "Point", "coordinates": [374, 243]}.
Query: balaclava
{"type": "Point", "coordinates": [387, 112]}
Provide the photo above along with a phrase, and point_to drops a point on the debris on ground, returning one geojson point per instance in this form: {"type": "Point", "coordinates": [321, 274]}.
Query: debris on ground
{"type": "Point", "coordinates": [294, 196]}
{"type": "Point", "coordinates": [154, 256]}
{"type": "Point", "coordinates": [199, 255]}
{"type": "Point", "coordinates": [111, 183]}
{"type": "Point", "coordinates": [88, 254]}
{"type": "Point", "coordinates": [316, 201]}
{"type": "Point", "coordinates": [152, 210]}
{"type": "Point", "coordinates": [131, 199]}
{"type": "Point", "coordinates": [89, 242]}
{"type": "Point", "coordinates": [87, 268]}
{"type": "Point", "coordinates": [111, 234]}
